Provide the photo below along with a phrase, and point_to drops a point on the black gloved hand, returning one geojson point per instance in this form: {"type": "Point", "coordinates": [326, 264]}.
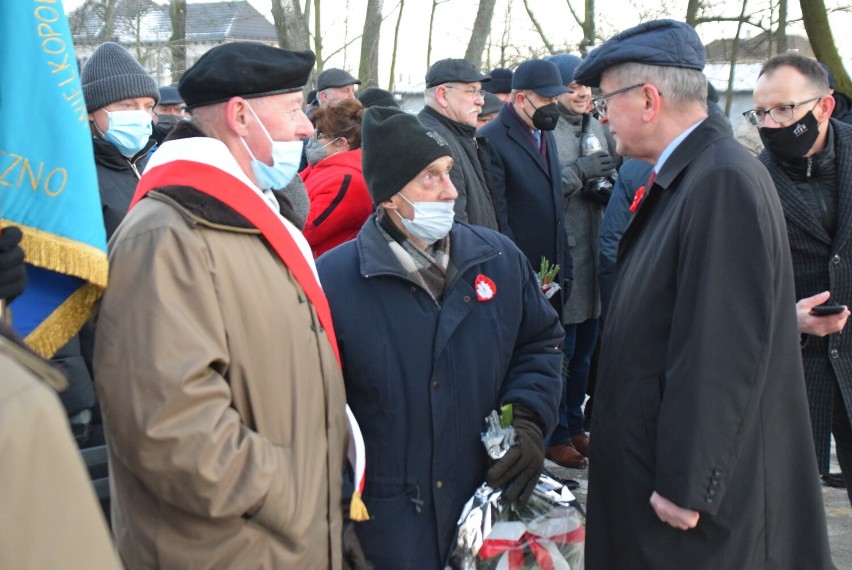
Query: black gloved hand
{"type": "Point", "coordinates": [597, 165]}
{"type": "Point", "coordinates": [353, 554]}
{"type": "Point", "coordinates": [518, 471]}
{"type": "Point", "coordinates": [13, 276]}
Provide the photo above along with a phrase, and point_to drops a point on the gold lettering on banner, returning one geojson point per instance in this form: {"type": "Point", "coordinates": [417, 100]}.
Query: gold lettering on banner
{"type": "Point", "coordinates": [59, 59]}
{"type": "Point", "coordinates": [18, 171]}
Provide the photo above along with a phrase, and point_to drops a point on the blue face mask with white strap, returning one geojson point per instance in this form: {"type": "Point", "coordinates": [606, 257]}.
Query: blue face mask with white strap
{"type": "Point", "coordinates": [286, 156]}
{"type": "Point", "coordinates": [128, 131]}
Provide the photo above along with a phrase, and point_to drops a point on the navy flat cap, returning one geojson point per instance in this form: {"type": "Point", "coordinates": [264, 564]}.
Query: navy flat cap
{"type": "Point", "coordinates": [666, 43]}
{"type": "Point", "coordinates": [244, 69]}
{"type": "Point", "coordinates": [169, 95]}
{"type": "Point", "coordinates": [566, 63]}
{"type": "Point", "coordinates": [447, 70]}
{"type": "Point", "coordinates": [501, 81]}
{"type": "Point", "coordinates": [335, 77]}
{"type": "Point", "coordinates": [540, 76]}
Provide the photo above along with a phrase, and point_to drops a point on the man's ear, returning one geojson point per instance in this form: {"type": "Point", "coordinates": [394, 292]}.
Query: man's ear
{"type": "Point", "coordinates": [237, 116]}
{"type": "Point", "coordinates": [826, 105]}
{"type": "Point", "coordinates": [653, 102]}
{"type": "Point", "coordinates": [391, 203]}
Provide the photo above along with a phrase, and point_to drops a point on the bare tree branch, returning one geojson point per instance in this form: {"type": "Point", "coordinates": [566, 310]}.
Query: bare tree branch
{"type": "Point", "coordinates": [535, 23]}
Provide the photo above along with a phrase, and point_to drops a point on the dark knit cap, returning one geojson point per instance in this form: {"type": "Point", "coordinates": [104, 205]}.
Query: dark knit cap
{"type": "Point", "coordinates": [334, 77]}
{"type": "Point", "coordinates": [244, 69]}
{"type": "Point", "coordinates": [395, 147]}
{"type": "Point", "coordinates": [377, 97]}
{"type": "Point", "coordinates": [169, 95]}
{"type": "Point", "coordinates": [666, 43]}
{"type": "Point", "coordinates": [447, 70]}
{"type": "Point", "coordinates": [501, 81]}
{"type": "Point", "coordinates": [111, 75]}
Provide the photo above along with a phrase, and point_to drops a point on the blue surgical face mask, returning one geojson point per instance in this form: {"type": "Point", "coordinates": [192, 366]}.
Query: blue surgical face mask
{"type": "Point", "coordinates": [128, 131]}
{"type": "Point", "coordinates": [286, 156]}
{"type": "Point", "coordinates": [432, 220]}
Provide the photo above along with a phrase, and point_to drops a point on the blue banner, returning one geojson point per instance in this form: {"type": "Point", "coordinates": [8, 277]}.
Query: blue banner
{"type": "Point", "coordinates": [48, 183]}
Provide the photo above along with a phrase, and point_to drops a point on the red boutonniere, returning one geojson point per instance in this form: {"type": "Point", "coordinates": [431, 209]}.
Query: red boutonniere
{"type": "Point", "coordinates": [485, 288]}
{"type": "Point", "coordinates": [640, 193]}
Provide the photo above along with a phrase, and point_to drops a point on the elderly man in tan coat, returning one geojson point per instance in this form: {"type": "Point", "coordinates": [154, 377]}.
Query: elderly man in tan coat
{"type": "Point", "coordinates": [215, 359]}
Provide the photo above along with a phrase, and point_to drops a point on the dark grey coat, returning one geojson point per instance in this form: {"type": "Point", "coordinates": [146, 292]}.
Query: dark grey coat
{"type": "Point", "coordinates": [700, 393]}
{"type": "Point", "coordinates": [822, 264]}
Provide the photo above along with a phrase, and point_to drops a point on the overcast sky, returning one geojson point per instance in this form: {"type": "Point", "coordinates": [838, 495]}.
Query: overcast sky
{"type": "Point", "coordinates": [344, 19]}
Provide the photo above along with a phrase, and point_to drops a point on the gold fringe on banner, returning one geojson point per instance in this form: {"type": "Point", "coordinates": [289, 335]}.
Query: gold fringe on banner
{"type": "Point", "coordinates": [62, 255]}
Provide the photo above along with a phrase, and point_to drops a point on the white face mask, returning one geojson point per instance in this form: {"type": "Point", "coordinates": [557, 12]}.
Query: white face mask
{"type": "Point", "coordinates": [286, 156]}
{"type": "Point", "coordinates": [432, 220]}
{"type": "Point", "coordinates": [128, 131]}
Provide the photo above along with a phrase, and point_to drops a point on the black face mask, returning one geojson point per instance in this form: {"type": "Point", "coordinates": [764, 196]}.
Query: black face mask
{"type": "Point", "coordinates": [793, 141]}
{"type": "Point", "coordinates": [545, 117]}
{"type": "Point", "coordinates": [166, 122]}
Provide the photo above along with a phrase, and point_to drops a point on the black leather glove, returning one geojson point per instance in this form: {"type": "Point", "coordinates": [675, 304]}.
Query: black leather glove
{"type": "Point", "coordinates": [353, 554]}
{"type": "Point", "coordinates": [518, 471]}
{"type": "Point", "coordinates": [597, 165]}
{"type": "Point", "coordinates": [13, 276]}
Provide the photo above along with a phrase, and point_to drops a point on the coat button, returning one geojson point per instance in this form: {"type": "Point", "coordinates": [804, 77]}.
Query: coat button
{"type": "Point", "coordinates": [708, 499]}
{"type": "Point", "coordinates": [834, 353]}
{"type": "Point", "coordinates": [413, 289]}
{"type": "Point", "coordinates": [836, 259]}
{"type": "Point", "coordinates": [717, 471]}
{"type": "Point", "coordinates": [435, 384]}
{"type": "Point", "coordinates": [467, 298]}
{"type": "Point", "coordinates": [439, 484]}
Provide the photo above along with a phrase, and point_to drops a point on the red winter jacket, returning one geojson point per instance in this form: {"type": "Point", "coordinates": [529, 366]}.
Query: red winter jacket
{"type": "Point", "coordinates": [340, 203]}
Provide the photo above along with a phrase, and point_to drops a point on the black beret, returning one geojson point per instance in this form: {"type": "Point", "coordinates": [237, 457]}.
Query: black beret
{"type": "Point", "coordinates": [447, 70]}
{"type": "Point", "coordinates": [540, 76]}
{"type": "Point", "coordinates": [666, 43]}
{"type": "Point", "coordinates": [334, 77]}
{"type": "Point", "coordinates": [395, 147]}
{"type": "Point", "coordinates": [244, 69]}
{"type": "Point", "coordinates": [501, 81]}
{"type": "Point", "coordinates": [377, 97]}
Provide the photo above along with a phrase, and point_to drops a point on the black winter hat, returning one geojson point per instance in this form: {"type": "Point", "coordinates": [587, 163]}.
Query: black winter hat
{"type": "Point", "coordinates": [666, 43]}
{"type": "Point", "coordinates": [244, 69]}
{"type": "Point", "coordinates": [169, 95]}
{"type": "Point", "coordinates": [501, 81]}
{"type": "Point", "coordinates": [395, 147]}
{"type": "Point", "coordinates": [111, 75]}
{"type": "Point", "coordinates": [377, 97]}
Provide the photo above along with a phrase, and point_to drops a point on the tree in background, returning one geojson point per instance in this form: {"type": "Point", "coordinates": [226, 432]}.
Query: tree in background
{"type": "Point", "coordinates": [815, 17]}
{"type": "Point", "coordinates": [290, 24]}
{"type": "Point", "coordinates": [479, 34]}
{"type": "Point", "coordinates": [368, 70]}
{"type": "Point", "coordinates": [395, 44]}
{"type": "Point", "coordinates": [177, 43]}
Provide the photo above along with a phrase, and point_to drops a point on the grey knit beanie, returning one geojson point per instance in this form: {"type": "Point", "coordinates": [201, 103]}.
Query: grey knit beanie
{"type": "Point", "coordinates": [111, 75]}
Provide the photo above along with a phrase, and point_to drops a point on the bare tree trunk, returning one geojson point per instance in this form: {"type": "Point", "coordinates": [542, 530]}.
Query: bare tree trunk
{"type": "Point", "coordinates": [735, 48]}
{"type": "Point", "coordinates": [431, 29]}
{"type": "Point", "coordinates": [317, 35]}
{"type": "Point", "coordinates": [589, 32]}
{"type": "Point", "coordinates": [781, 32]}
{"type": "Point", "coordinates": [177, 43]}
{"type": "Point", "coordinates": [535, 23]}
{"type": "Point", "coordinates": [481, 28]}
{"type": "Point", "coordinates": [395, 43]}
{"type": "Point", "coordinates": [692, 7]}
{"type": "Point", "coordinates": [368, 71]}
{"type": "Point", "coordinates": [109, 20]}
{"type": "Point", "coordinates": [289, 25]}
{"type": "Point", "coordinates": [825, 50]}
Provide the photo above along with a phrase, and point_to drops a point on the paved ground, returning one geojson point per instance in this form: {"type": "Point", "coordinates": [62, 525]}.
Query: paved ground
{"type": "Point", "coordinates": [837, 509]}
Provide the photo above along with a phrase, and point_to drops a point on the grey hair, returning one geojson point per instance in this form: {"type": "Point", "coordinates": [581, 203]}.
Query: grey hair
{"type": "Point", "coordinates": [429, 93]}
{"type": "Point", "coordinates": [677, 84]}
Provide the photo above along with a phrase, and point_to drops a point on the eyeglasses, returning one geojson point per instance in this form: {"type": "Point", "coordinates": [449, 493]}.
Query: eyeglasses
{"type": "Point", "coordinates": [779, 114]}
{"type": "Point", "coordinates": [600, 102]}
{"type": "Point", "coordinates": [475, 93]}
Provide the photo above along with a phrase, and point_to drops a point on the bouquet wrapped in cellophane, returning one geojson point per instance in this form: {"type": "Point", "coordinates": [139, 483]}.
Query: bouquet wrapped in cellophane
{"type": "Point", "coordinates": [546, 277]}
{"type": "Point", "coordinates": [546, 532]}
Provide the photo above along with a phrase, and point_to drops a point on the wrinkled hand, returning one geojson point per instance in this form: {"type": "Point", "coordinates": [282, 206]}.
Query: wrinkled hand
{"type": "Point", "coordinates": [673, 515]}
{"type": "Point", "coordinates": [597, 165]}
{"type": "Point", "coordinates": [13, 276]}
{"type": "Point", "coordinates": [518, 471]}
{"type": "Point", "coordinates": [819, 325]}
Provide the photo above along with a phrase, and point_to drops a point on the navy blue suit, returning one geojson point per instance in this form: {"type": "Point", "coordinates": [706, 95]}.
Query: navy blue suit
{"type": "Point", "coordinates": [529, 194]}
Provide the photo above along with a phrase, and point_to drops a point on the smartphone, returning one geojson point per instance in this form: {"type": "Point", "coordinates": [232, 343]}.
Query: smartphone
{"type": "Point", "coordinates": [823, 310]}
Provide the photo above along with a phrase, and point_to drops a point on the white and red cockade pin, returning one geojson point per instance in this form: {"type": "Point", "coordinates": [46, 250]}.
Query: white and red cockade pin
{"type": "Point", "coordinates": [485, 288]}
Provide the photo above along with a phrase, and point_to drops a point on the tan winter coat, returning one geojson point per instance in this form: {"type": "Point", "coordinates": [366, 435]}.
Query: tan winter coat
{"type": "Point", "coordinates": [50, 518]}
{"type": "Point", "coordinates": [222, 398]}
